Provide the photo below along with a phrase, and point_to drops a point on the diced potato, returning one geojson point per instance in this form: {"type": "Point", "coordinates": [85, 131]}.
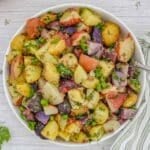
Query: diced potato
{"type": "Point", "coordinates": [50, 73]}
{"type": "Point", "coordinates": [110, 33]}
{"type": "Point", "coordinates": [25, 89]}
{"type": "Point", "coordinates": [90, 83]}
{"type": "Point", "coordinates": [80, 75]}
{"type": "Point", "coordinates": [62, 122]}
{"type": "Point", "coordinates": [111, 125]}
{"type": "Point", "coordinates": [48, 17]}
{"type": "Point", "coordinates": [12, 54]}
{"type": "Point", "coordinates": [18, 42]}
{"type": "Point", "coordinates": [64, 135]}
{"type": "Point", "coordinates": [92, 98]}
{"type": "Point", "coordinates": [51, 92]}
{"type": "Point", "coordinates": [32, 73]}
{"type": "Point", "coordinates": [109, 89]}
{"type": "Point", "coordinates": [80, 111]}
{"type": "Point", "coordinates": [125, 49]}
{"type": "Point", "coordinates": [20, 79]}
{"type": "Point", "coordinates": [70, 61]}
{"type": "Point", "coordinates": [107, 67]}
{"type": "Point", "coordinates": [70, 17]}
{"type": "Point", "coordinates": [89, 17]}
{"type": "Point", "coordinates": [76, 95]}
{"type": "Point", "coordinates": [50, 110]}
{"type": "Point", "coordinates": [16, 97]}
{"type": "Point", "coordinates": [31, 60]}
{"type": "Point", "coordinates": [96, 132]}
{"type": "Point", "coordinates": [131, 100]}
{"type": "Point", "coordinates": [16, 67]}
{"type": "Point", "coordinates": [78, 36]}
{"type": "Point", "coordinates": [101, 113]}
{"type": "Point", "coordinates": [73, 127]}
{"type": "Point", "coordinates": [82, 27]}
{"type": "Point", "coordinates": [134, 84]}
{"type": "Point", "coordinates": [51, 130]}
{"type": "Point", "coordinates": [57, 45]}
{"type": "Point", "coordinates": [79, 138]}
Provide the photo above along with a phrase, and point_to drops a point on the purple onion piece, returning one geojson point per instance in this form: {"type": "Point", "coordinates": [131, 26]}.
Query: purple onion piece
{"type": "Point", "coordinates": [41, 117]}
{"type": "Point", "coordinates": [28, 114]}
{"type": "Point", "coordinates": [109, 55]}
{"type": "Point", "coordinates": [127, 113]}
{"type": "Point", "coordinates": [96, 35]}
{"type": "Point", "coordinates": [122, 67]}
{"type": "Point", "coordinates": [119, 79]}
{"type": "Point", "coordinates": [69, 30]}
{"type": "Point", "coordinates": [66, 85]}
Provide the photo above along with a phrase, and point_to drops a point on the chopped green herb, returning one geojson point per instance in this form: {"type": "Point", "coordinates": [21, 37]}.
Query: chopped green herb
{"type": "Point", "coordinates": [55, 40]}
{"type": "Point", "coordinates": [44, 102]}
{"type": "Point", "coordinates": [4, 135]}
{"type": "Point", "coordinates": [59, 15]}
{"type": "Point", "coordinates": [102, 81]}
{"type": "Point", "coordinates": [100, 26]}
{"type": "Point", "coordinates": [84, 45]}
{"type": "Point", "coordinates": [64, 71]}
{"type": "Point", "coordinates": [31, 124]}
{"type": "Point", "coordinates": [65, 116]}
{"type": "Point", "coordinates": [40, 41]}
{"type": "Point", "coordinates": [91, 122]}
{"type": "Point", "coordinates": [135, 84]}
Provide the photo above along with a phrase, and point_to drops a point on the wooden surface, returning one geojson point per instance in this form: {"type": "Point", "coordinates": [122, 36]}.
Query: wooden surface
{"type": "Point", "coordinates": [135, 13]}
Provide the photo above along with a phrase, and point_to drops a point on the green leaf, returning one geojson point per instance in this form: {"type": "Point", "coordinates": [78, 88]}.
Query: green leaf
{"type": "Point", "coordinates": [4, 135]}
{"type": "Point", "coordinates": [44, 102]}
{"type": "Point", "coordinates": [100, 26]}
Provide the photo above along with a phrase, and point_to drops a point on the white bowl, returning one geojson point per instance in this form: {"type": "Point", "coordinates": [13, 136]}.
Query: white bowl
{"type": "Point", "coordinates": [106, 16]}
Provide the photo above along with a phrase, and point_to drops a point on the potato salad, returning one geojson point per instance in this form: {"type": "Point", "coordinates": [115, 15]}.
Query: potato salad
{"type": "Point", "coordinates": [71, 75]}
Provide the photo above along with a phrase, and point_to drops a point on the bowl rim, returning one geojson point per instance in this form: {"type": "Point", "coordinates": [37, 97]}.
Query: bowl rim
{"type": "Point", "coordinates": [67, 5]}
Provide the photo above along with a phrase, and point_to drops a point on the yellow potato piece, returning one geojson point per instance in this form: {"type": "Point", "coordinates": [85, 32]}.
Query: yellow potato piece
{"type": "Point", "coordinates": [51, 130]}
{"type": "Point", "coordinates": [18, 42]}
{"type": "Point", "coordinates": [111, 33]}
{"type": "Point", "coordinates": [50, 73]}
{"type": "Point", "coordinates": [131, 100]}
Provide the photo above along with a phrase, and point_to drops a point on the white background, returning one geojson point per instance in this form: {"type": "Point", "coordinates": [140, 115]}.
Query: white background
{"type": "Point", "coordinates": [135, 13]}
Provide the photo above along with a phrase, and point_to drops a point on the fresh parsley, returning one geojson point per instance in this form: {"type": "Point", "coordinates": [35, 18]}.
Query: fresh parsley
{"type": "Point", "coordinates": [4, 135]}
{"type": "Point", "coordinates": [102, 81]}
{"type": "Point", "coordinates": [84, 45]}
{"type": "Point", "coordinates": [100, 26]}
{"type": "Point", "coordinates": [64, 71]}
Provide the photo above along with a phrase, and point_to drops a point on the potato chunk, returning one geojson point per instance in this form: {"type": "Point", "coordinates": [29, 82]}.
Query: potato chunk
{"type": "Point", "coordinates": [125, 49]}
{"type": "Point", "coordinates": [110, 33]}
{"type": "Point", "coordinates": [101, 113]}
{"type": "Point", "coordinates": [107, 67]}
{"type": "Point", "coordinates": [80, 75]}
{"type": "Point", "coordinates": [50, 73]}
{"type": "Point", "coordinates": [18, 42]}
{"type": "Point", "coordinates": [131, 100]}
{"type": "Point", "coordinates": [96, 132]}
{"type": "Point", "coordinates": [51, 130]}
{"type": "Point", "coordinates": [32, 73]}
{"type": "Point", "coordinates": [89, 17]}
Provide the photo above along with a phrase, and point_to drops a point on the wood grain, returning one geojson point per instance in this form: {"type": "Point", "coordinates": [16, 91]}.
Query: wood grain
{"type": "Point", "coordinates": [13, 12]}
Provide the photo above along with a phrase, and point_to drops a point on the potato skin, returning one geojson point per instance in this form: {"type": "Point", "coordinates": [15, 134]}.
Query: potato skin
{"type": "Point", "coordinates": [110, 33]}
